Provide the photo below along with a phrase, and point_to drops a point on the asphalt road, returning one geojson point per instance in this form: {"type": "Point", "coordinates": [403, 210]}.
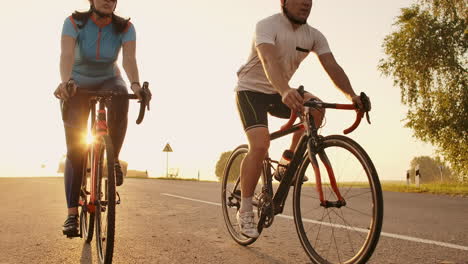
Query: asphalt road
{"type": "Point", "coordinates": [181, 222]}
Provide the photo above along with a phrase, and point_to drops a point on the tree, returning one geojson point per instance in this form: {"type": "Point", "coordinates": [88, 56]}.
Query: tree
{"type": "Point", "coordinates": [223, 159]}
{"type": "Point", "coordinates": [234, 170]}
{"type": "Point", "coordinates": [427, 58]}
{"type": "Point", "coordinates": [432, 170]}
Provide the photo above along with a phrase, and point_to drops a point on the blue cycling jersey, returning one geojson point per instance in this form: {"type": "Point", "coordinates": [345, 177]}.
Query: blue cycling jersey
{"type": "Point", "coordinates": [97, 48]}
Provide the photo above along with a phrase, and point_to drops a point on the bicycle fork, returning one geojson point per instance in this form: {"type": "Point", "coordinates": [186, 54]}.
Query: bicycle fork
{"type": "Point", "coordinates": [318, 179]}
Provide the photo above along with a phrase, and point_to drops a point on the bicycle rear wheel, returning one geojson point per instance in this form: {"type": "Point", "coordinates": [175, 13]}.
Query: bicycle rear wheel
{"type": "Point", "coordinates": [231, 195]}
{"type": "Point", "coordinates": [339, 234]}
{"type": "Point", "coordinates": [105, 199]}
{"type": "Point", "coordinates": [86, 217]}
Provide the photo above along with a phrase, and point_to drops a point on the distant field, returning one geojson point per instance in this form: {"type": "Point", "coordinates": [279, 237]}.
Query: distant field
{"type": "Point", "coordinates": [391, 186]}
{"type": "Point", "coordinates": [460, 189]}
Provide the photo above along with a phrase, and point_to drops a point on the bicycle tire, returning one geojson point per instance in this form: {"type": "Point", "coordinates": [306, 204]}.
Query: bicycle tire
{"type": "Point", "coordinates": [86, 217]}
{"type": "Point", "coordinates": [358, 167]}
{"type": "Point", "coordinates": [105, 200]}
{"type": "Point", "coordinates": [231, 185]}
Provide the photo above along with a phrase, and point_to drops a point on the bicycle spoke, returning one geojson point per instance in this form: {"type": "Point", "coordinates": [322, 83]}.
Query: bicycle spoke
{"type": "Point", "coordinates": [356, 195]}
{"type": "Point", "coordinates": [331, 235]}
{"type": "Point", "coordinates": [320, 226]}
{"type": "Point", "coordinates": [366, 214]}
{"type": "Point", "coordinates": [348, 234]}
{"type": "Point", "coordinates": [334, 239]}
{"type": "Point", "coordinates": [347, 224]}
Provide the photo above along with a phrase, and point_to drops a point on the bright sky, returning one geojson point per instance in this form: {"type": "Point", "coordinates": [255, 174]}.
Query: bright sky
{"type": "Point", "coordinates": [189, 51]}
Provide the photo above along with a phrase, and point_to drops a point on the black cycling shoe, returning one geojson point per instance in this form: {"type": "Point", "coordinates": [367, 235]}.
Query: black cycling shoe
{"type": "Point", "coordinates": [70, 227]}
{"type": "Point", "coordinates": [118, 174]}
{"type": "Point", "coordinates": [281, 170]}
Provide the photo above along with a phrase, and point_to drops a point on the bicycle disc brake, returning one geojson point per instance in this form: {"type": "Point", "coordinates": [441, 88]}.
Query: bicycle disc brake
{"type": "Point", "coordinates": [265, 209]}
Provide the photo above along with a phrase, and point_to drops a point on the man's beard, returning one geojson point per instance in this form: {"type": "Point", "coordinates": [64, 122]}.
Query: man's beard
{"type": "Point", "coordinates": [293, 19]}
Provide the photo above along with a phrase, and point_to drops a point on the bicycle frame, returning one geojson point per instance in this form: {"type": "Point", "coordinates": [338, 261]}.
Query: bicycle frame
{"type": "Point", "coordinates": [310, 141]}
{"type": "Point", "coordinates": [98, 128]}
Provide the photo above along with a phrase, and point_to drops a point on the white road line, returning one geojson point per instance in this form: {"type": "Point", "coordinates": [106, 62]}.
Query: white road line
{"type": "Point", "coordinates": [385, 234]}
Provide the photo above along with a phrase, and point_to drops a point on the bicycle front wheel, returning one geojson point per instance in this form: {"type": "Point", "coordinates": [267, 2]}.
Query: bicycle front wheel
{"type": "Point", "coordinates": [338, 233]}
{"type": "Point", "coordinates": [105, 199]}
{"type": "Point", "coordinates": [231, 194]}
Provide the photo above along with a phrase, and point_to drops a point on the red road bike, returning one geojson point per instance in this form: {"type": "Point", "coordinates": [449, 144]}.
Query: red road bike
{"type": "Point", "coordinates": [98, 195]}
{"type": "Point", "coordinates": [338, 218]}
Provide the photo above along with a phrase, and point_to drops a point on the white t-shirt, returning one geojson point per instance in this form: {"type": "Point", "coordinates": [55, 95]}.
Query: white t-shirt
{"type": "Point", "coordinates": [292, 46]}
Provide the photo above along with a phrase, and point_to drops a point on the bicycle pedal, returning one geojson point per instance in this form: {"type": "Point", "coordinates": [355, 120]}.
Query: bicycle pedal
{"type": "Point", "coordinates": [72, 235]}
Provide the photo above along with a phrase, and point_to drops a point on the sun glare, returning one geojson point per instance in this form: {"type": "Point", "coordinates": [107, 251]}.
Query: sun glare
{"type": "Point", "coordinates": [89, 138]}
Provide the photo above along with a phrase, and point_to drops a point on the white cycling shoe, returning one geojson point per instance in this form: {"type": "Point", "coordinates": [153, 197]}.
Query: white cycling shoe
{"type": "Point", "coordinates": [246, 221]}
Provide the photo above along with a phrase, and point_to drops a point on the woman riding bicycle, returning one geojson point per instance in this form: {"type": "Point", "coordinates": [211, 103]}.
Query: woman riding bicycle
{"type": "Point", "coordinates": [90, 44]}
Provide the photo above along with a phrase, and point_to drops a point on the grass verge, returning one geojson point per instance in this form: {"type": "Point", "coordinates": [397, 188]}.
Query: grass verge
{"type": "Point", "coordinates": [457, 189]}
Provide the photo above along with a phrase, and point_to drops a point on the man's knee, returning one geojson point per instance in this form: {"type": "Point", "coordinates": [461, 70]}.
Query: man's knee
{"type": "Point", "coordinates": [259, 149]}
{"type": "Point", "coordinates": [259, 141]}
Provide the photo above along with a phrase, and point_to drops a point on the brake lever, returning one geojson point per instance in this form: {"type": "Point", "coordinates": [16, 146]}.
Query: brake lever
{"type": "Point", "coordinates": [146, 101]}
{"type": "Point", "coordinates": [301, 91]}
{"type": "Point", "coordinates": [368, 117]}
{"type": "Point", "coordinates": [366, 105]}
{"type": "Point", "coordinates": [146, 95]}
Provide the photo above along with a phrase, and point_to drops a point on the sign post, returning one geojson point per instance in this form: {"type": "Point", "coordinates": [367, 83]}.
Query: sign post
{"type": "Point", "coordinates": [167, 149]}
{"type": "Point", "coordinates": [417, 176]}
{"type": "Point", "coordinates": [407, 178]}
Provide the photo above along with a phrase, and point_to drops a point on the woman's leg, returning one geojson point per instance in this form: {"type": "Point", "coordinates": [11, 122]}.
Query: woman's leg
{"type": "Point", "coordinates": [117, 121]}
{"type": "Point", "coordinates": [117, 113]}
{"type": "Point", "coordinates": [75, 123]}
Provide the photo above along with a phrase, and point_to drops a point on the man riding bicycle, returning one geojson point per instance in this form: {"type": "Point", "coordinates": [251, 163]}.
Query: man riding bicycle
{"type": "Point", "coordinates": [281, 42]}
{"type": "Point", "coordinates": [90, 44]}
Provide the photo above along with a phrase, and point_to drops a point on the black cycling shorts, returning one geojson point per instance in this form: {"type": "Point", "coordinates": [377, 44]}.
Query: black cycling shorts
{"type": "Point", "coordinates": [254, 106]}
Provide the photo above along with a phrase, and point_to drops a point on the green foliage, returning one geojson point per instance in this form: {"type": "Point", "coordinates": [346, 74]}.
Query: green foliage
{"type": "Point", "coordinates": [431, 170]}
{"type": "Point", "coordinates": [427, 58]}
{"type": "Point", "coordinates": [223, 159]}
{"type": "Point", "coordinates": [234, 171]}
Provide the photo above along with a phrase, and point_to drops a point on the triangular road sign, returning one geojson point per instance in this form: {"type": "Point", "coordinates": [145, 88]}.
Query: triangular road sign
{"type": "Point", "coordinates": [167, 148]}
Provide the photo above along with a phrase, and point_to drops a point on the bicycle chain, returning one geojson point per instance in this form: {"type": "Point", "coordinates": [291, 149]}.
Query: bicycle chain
{"type": "Point", "coordinates": [265, 209]}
